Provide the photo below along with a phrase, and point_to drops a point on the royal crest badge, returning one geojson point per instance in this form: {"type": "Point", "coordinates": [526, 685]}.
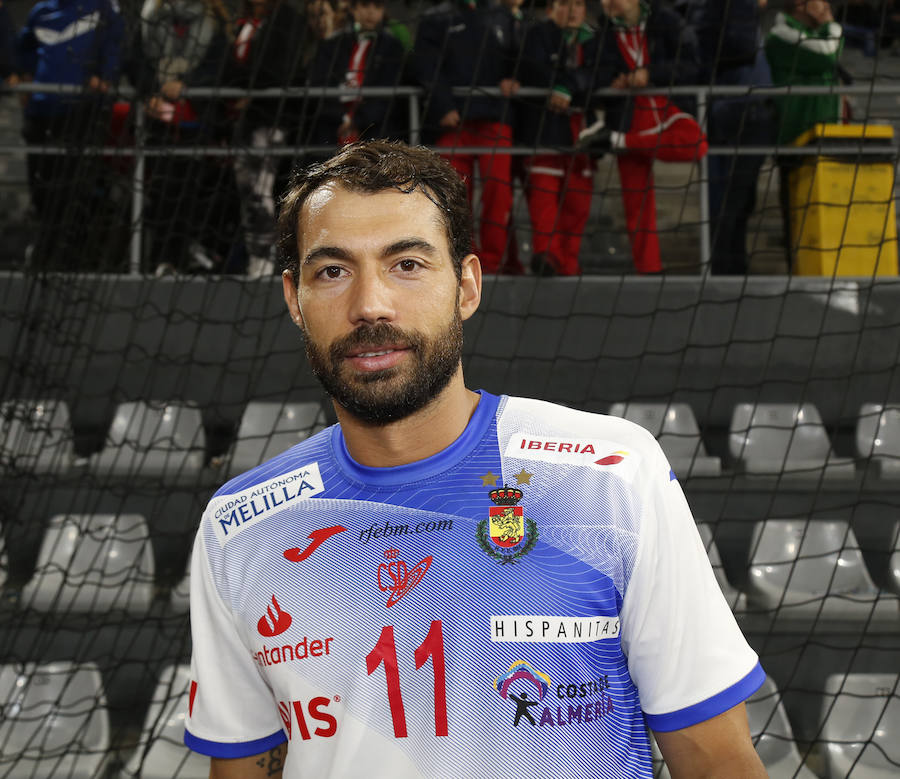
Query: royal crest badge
{"type": "Point", "coordinates": [507, 534]}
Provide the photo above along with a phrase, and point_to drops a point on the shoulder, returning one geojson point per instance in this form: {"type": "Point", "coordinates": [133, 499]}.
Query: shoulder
{"type": "Point", "coordinates": [551, 419]}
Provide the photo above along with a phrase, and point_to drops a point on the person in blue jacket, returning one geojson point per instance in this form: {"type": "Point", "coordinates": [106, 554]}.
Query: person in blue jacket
{"type": "Point", "coordinates": [730, 48]}
{"type": "Point", "coordinates": [76, 43]}
{"type": "Point", "coordinates": [460, 44]}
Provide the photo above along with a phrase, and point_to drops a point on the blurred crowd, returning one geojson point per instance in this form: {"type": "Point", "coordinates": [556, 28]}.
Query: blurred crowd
{"type": "Point", "coordinates": [473, 61]}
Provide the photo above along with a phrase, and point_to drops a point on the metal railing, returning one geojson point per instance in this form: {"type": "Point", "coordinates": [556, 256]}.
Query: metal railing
{"type": "Point", "coordinates": [139, 151]}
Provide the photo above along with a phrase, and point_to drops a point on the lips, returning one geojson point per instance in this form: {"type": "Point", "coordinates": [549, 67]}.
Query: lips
{"type": "Point", "coordinates": [376, 358]}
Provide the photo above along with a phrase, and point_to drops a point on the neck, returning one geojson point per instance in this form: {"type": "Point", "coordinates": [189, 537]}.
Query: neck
{"type": "Point", "coordinates": [420, 435]}
{"type": "Point", "coordinates": [633, 15]}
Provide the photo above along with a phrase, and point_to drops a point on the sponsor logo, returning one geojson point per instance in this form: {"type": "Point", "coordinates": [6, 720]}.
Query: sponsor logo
{"type": "Point", "coordinates": [396, 578]}
{"type": "Point", "coordinates": [275, 621]}
{"type": "Point", "coordinates": [316, 712]}
{"type": "Point", "coordinates": [232, 514]}
{"type": "Point", "coordinates": [316, 538]}
{"type": "Point", "coordinates": [593, 699]}
{"type": "Point", "coordinates": [191, 696]}
{"type": "Point", "coordinates": [507, 534]}
{"type": "Point", "coordinates": [388, 530]}
{"type": "Point", "coordinates": [533, 629]}
{"type": "Point", "coordinates": [593, 453]}
{"type": "Point", "coordinates": [288, 653]}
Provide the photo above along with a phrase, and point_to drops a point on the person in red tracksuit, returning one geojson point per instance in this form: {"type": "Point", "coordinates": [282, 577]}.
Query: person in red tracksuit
{"type": "Point", "coordinates": [461, 44]}
{"type": "Point", "coordinates": [642, 46]}
{"type": "Point", "coordinates": [558, 54]}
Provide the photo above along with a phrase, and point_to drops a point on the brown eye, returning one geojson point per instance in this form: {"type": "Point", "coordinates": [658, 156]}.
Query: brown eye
{"type": "Point", "coordinates": [407, 265]}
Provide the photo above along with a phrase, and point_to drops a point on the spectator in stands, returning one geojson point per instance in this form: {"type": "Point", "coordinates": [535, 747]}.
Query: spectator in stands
{"type": "Point", "coordinates": [803, 48]}
{"type": "Point", "coordinates": [364, 54]}
{"type": "Point", "coordinates": [183, 44]}
{"type": "Point", "coordinates": [730, 47]}
{"type": "Point", "coordinates": [79, 44]}
{"type": "Point", "coordinates": [559, 55]}
{"type": "Point", "coordinates": [643, 45]}
{"type": "Point", "coordinates": [459, 44]}
{"type": "Point", "coordinates": [266, 52]}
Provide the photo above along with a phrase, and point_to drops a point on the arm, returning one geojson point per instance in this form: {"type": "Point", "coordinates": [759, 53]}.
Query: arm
{"type": "Point", "coordinates": [719, 748]}
{"type": "Point", "coordinates": [263, 766]}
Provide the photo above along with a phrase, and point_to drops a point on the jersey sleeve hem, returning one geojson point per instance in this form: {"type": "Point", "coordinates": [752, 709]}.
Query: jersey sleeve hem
{"type": "Point", "coordinates": [232, 750]}
{"type": "Point", "coordinates": [711, 707]}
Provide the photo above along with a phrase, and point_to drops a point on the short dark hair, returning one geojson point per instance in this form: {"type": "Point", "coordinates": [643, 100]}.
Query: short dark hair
{"type": "Point", "coordinates": [374, 166]}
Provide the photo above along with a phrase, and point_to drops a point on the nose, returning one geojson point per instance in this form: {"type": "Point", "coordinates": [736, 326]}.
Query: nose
{"type": "Point", "coordinates": [372, 300]}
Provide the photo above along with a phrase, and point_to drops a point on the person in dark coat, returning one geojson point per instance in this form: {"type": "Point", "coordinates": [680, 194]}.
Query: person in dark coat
{"type": "Point", "coordinates": [558, 54]}
{"type": "Point", "coordinates": [459, 44]}
{"type": "Point", "coordinates": [267, 51]}
{"type": "Point", "coordinates": [366, 53]}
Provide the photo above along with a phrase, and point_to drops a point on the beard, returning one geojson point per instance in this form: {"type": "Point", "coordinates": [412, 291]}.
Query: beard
{"type": "Point", "coordinates": [388, 395]}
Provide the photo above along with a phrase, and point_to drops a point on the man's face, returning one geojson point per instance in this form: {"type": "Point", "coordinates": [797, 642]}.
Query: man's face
{"type": "Point", "coordinates": [378, 300]}
{"type": "Point", "coordinates": [368, 15]}
{"type": "Point", "coordinates": [568, 14]}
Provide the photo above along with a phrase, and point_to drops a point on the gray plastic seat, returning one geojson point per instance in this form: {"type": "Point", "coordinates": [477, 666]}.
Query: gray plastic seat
{"type": "Point", "coordinates": [773, 736]}
{"type": "Point", "coordinates": [153, 440]}
{"type": "Point", "coordinates": [55, 721]}
{"type": "Point", "coordinates": [861, 726]}
{"type": "Point", "coordinates": [161, 753]}
{"type": "Point", "coordinates": [878, 438]}
{"type": "Point", "coordinates": [270, 428]}
{"type": "Point", "coordinates": [736, 599]}
{"type": "Point", "coordinates": [93, 563]}
{"type": "Point", "coordinates": [180, 599]}
{"type": "Point", "coordinates": [807, 569]}
{"type": "Point", "coordinates": [784, 439]}
{"type": "Point", "coordinates": [36, 436]}
{"type": "Point", "coordinates": [675, 427]}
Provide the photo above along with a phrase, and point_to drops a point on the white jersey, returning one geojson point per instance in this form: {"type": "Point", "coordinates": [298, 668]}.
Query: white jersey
{"type": "Point", "coordinates": [522, 604]}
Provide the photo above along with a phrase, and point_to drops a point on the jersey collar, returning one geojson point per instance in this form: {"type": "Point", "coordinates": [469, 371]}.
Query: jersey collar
{"type": "Point", "coordinates": [421, 469]}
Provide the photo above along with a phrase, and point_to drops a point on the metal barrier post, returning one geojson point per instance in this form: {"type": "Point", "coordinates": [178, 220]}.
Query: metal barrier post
{"type": "Point", "coordinates": [705, 244]}
{"type": "Point", "coordinates": [415, 130]}
{"type": "Point", "coordinates": [137, 190]}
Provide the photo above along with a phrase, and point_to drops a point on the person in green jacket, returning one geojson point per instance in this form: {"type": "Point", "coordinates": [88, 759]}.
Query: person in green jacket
{"type": "Point", "coordinates": [802, 48]}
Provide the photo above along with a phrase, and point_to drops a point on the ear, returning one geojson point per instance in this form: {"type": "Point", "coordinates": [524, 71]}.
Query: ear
{"type": "Point", "coordinates": [290, 297]}
{"type": "Point", "coordinates": [469, 286]}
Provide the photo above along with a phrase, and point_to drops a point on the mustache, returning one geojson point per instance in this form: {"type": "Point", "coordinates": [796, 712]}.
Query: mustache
{"type": "Point", "coordinates": [381, 334]}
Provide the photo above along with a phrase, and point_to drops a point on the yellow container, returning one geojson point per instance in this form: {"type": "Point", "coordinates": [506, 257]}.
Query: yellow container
{"type": "Point", "coordinates": [843, 220]}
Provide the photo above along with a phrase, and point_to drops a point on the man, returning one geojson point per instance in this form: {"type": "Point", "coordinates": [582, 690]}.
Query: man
{"type": "Point", "coordinates": [643, 45]}
{"type": "Point", "coordinates": [354, 600]}
{"type": "Point", "coordinates": [802, 48]}
{"type": "Point", "coordinates": [459, 44]}
{"type": "Point", "coordinates": [364, 54]}
{"type": "Point", "coordinates": [559, 54]}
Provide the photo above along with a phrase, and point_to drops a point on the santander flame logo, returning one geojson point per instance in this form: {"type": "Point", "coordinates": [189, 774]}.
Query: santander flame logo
{"type": "Point", "coordinates": [275, 621]}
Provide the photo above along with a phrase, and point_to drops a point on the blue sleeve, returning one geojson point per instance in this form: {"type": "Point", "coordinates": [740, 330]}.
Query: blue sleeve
{"type": "Point", "coordinates": [231, 750]}
{"type": "Point", "coordinates": [111, 46]}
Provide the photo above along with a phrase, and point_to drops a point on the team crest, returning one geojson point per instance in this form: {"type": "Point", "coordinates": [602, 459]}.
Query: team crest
{"type": "Point", "coordinates": [507, 534]}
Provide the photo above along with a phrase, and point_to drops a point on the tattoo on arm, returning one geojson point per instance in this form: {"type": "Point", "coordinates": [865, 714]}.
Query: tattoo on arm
{"type": "Point", "coordinates": [273, 763]}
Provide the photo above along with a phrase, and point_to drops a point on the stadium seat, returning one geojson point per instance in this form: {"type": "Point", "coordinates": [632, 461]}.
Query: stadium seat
{"type": "Point", "coordinates": [180, 599]}
{"type": "Point", "coordinates": [861, 726]}
{"type": "Point", "coordinates": [55, 721]}
{"type": "Point", "coordinates": [813, 569]}
{"type": "Point", "coordinates": [772, 734]}
{"type": "Point", "coordinates": [161, 753]}
{"type": "Point", "coordinates": [93, 563]}
{"type": "Point", "coordinates": [36, 437]}
{"type": "Point", "coordinates": [267, 429]}
{"type": "Point", "coordinates": [153, 440]}
{"type": "Point", "coordinates": [736, 599]}
{"type": "Point", "coordinates": [675, 427]}
{"type": "Point", "coordinates": [878, 438]}
{"type": "Point", "coordinates": [783, 439]}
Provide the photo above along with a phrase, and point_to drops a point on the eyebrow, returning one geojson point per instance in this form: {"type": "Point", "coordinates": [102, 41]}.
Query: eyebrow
{"type": "Point", "coordinates": [398, 247]}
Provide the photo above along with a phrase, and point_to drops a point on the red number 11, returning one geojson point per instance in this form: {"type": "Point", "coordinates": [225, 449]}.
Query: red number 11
{"type": "Point", "coordinates": [385, 651]}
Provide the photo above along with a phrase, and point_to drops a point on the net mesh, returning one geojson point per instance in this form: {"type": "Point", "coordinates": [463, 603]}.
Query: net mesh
{"type": "Point", "coordinates": [126, 399]}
